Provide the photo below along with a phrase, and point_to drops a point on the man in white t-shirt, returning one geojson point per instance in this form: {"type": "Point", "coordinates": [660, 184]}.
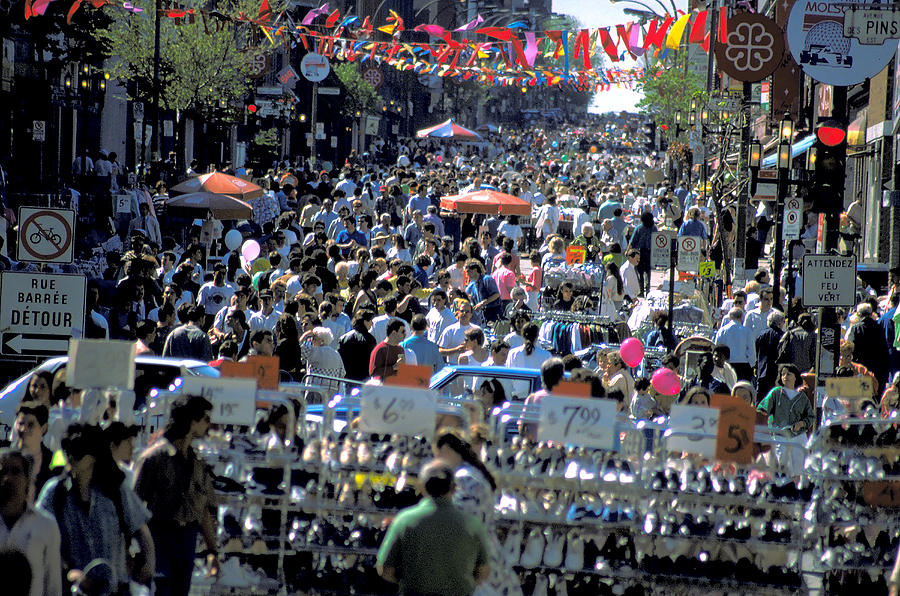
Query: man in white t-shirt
{"type": "Point", "coordinates": [630, 281]}
{"type": "Point", "coordinates": [452, 340]}
{"type": "Point", "coordinates": [439, 317]}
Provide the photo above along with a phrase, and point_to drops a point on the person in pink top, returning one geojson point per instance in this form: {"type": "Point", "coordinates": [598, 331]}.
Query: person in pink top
{"type": "Point", "coordinates": [505, 279]}
{"type": "Point", "coordinates": [532, 281]}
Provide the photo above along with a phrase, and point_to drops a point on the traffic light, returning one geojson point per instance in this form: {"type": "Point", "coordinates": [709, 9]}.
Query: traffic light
{"type": "Point", "coordinates": [649, 131]}
{"type": "Point", "coordinates": [251, 108]}
{"type": "Point", "coordinates": [830, 165]}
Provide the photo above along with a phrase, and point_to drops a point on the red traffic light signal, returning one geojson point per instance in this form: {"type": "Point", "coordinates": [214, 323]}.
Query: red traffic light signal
{"type": "Point", "coordinates": [252, 108]}
{"type": "Point", "coordinates": [831, 134]}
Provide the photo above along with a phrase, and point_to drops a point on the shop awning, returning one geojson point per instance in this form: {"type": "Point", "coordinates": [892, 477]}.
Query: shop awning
{"type": "Point", "coordinates": [798, 148]}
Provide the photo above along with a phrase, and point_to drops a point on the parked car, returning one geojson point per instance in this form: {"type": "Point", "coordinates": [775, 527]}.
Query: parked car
{"type": "Point", "coordinates": [151, 372]}
{"type": "Point", "coordinates": [454, 379]}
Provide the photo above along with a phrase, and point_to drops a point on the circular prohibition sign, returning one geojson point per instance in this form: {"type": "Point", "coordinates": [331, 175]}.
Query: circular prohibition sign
{"type": "Point", "coordinates": [792, 216]}
{"type": "Point", "coordinates": [688, 245]}
{"type": "Point", "coordinates": [662, 241]}
{"type": "Point", "coordinates": [35, 234]}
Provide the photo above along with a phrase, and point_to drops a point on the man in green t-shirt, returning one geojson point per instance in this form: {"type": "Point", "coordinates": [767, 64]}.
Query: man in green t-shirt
{"type": "Point", "coordinates": [435, 548]}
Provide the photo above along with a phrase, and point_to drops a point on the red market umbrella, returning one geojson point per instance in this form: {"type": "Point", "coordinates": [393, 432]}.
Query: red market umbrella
{"type": "Point", "coordinates": [487, 201]}
{"type": "Point", "coordinates": [448, 129]}
{"type": "Point", "coordinates": [221, 206]}
{"type": "Point", "coordinates": [221, 184]}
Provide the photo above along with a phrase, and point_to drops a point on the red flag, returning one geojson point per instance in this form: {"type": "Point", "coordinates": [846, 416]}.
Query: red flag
{"type": "Point", "coordinates": [498, 32]}
{"type": "Point", "coordinates": [332, 18]}
{"type": "Point", "coordinates": [706, 43]}
{"type": "Point", "coordinates": [264, 11]}
{"type": "Point", "coordinates": [557, 37]}
{"type": "Point", "coordinates": [608, 45]}
{"type": "Point", "coordinates": [583, 47]}
{"type": "Point", "coordinates": [657, 35]}
{"type": "Point", "coordinates": [723, 24]}
{"type": "Point", "coordinates": [624, 32]}
{"type": "Point", "coordinates": [698, 29]}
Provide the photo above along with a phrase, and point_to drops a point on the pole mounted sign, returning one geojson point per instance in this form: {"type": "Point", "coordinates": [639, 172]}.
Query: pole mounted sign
{"type": "Point", "coordinates": [829, 280]}
{"type": "Point", "coordinates": [872, 27]}
{"type": "Point", "coordinates": [315, 67]}
{"type": "Point", "coordinates": [46, 235]}
{"type": "Point", "coordinates": [660, 251]}
{"type": "Point", "coordinates": [40, 312]}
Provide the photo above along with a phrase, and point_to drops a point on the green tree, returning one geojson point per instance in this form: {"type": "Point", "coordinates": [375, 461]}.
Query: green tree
{"type": "Point", "coordinates": [668, 92]}
{"type": "Point", "coordinates": [204, 64]}
{"type": "Point", "coordinates": [360, 95]}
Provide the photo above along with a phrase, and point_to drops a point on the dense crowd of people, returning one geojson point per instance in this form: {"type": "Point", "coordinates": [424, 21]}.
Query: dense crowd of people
{"type": "Point", "coordinates": [345, 275]}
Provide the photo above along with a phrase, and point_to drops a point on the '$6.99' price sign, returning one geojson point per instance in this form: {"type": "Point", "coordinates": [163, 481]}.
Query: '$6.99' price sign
{"type": "Point", "coordinates": [578, 421]}
{"type": "Point", "coordinates": [398, 410]}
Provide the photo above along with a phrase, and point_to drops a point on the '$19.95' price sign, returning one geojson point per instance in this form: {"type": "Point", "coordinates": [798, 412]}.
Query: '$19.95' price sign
{"type": "Point", "coordinates": [398, 410]}
{"type": "Point", "coordinates": [578, 421]}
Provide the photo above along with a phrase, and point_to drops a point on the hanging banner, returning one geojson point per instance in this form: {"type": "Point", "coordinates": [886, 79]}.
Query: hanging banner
{"type": "Point", "coordinates": [752, 48]}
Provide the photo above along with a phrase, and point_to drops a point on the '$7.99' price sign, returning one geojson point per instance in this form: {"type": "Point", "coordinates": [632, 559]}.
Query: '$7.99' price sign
{"type": "Point", "coordinates": [398, 410]}
{"type": "Point", "coordinates": [578, 421]}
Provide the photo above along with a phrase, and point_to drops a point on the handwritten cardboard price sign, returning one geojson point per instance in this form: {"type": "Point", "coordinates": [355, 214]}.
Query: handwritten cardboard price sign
{"type": "Point", "coordinates": [411, 375]}
{"type": "Point", "coordinates": [233, 400]}
{"type": "Point", "coordinates": [578, 421]}
{"type": "Point", "coordinates": [398, 410]}
{"type": "Point", "coordinates": [265, 369]}
{"type": "Point", "coordinates": [691, 426]}
{"type": "Point", "coordinates": [575, 255]}
{"type": "Point", "coordinates": [737, 421]}
{"type": "Point", "coordinates": [882, 494]}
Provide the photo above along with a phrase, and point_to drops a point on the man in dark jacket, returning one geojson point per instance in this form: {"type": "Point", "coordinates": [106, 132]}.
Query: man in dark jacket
{"type": "Point", "coordinates": [870, 346]}
{"type": "Point", "coordinates": [355, 346]}
{"type": "Point", "coordinates": [704, 378]}
{"type": "Point", "coordinates": [767, 352]}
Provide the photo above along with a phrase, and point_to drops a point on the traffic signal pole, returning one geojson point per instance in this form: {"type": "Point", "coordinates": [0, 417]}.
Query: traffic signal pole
{"type": "Point", "coordinates": [828, 337]}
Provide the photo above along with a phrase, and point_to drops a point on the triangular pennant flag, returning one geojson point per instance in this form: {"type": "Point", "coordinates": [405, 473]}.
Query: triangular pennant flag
{"type": "Point", "coordinates": [698, 29]}
{"type": "Point", "coordinates": [332, 19]}
{"type": "Point", "coordinates": [315, 12]}
{"type": "Point", "coordinates": [608, 45]}
{"type": "Point", "coordinates": [673, 41]}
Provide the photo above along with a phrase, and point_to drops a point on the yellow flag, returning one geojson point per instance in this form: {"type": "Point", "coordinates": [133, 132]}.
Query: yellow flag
{"type": "Point", "coordinates": [673, 41]}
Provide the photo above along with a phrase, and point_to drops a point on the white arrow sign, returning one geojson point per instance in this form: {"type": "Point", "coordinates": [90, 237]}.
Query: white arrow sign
{"type": "Point", "coordinates": [19, 344]}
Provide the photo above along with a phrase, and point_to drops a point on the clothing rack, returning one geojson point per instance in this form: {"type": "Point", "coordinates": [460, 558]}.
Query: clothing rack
{"type": "Point", "coordinates": [571, 317]}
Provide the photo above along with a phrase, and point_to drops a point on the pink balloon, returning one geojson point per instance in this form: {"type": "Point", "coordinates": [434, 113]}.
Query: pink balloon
{"type": "Point", "coordinates": [632, 351]}
{"type": "Point", "coordinates": [250, 250]}
{"type": "Point", "coordinates": [666, 381]}
{"type": "Point", "coordinates": [440, 158]}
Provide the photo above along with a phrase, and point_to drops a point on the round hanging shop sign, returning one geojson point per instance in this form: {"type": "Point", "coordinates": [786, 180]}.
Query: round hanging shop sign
{"type": "Point", "coordinates": [815, 36]}
{"type": "Point", "coordinates": [752, 49]}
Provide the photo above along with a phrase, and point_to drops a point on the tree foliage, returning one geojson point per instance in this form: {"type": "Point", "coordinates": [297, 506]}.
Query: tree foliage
{"type": "Point", "coordinates": [669, 93]}
{"type": "Point", "coordinates": [360, 94]}
{"type": "Point", "coordinates": [204, 64]}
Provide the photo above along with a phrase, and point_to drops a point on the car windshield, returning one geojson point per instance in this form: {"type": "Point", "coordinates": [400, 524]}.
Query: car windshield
{"type": "Point", "coordinates": [204, 370]}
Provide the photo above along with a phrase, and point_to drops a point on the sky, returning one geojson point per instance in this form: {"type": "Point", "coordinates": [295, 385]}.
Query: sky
{"type": "Point", "coordinates": [603, 13]}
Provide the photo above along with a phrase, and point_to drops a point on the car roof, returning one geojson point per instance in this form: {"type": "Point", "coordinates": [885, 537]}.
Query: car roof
{"type": "Point", "coordinates": [484, 371]}
{"type": "Point", "coordinates": [159, 360]}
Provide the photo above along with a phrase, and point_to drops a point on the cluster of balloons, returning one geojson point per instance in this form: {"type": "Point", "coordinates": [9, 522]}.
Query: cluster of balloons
{"type": "Point", "coordinates": [664, 380]}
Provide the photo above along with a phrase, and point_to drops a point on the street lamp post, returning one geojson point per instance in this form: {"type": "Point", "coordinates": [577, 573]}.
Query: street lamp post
{"type": "Point", "coordinates": [786, 133]}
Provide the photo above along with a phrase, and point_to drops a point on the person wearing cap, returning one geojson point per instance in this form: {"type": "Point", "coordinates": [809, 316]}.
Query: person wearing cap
{"type": "Point", "coordinates": [267, 316]}
{"type": "Point", "coordinates": [435, 547]}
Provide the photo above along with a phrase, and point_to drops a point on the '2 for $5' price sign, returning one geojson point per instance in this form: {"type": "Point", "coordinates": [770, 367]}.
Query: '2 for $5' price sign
{"type": "Point", "coordinates": [398, 410]}
{"type": "Point", "coordinates": [578, 421]}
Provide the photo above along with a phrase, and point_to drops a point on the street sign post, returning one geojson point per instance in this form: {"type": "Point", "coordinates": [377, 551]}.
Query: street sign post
{"type": "Point", "coordinates": [872, 27]}
{"type": "Point", "coordinates": [39, 130]}
{"type": "Point", "coordinates": [40, 312]}
{"type": "Point", "coordinates": [793, 216]}
{"type": "Point", "coordinates": [46, 235]}
{"type": "Point", "coordinates": [660, 251]}
{"type": "Point", "coordinates": [829, 280]}
{"type": "Point", "coordinates": [689, 254]}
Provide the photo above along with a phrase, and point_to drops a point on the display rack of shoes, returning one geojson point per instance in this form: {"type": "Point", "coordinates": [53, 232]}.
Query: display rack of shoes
{"type": "Point", "coordinates": [852, 529]}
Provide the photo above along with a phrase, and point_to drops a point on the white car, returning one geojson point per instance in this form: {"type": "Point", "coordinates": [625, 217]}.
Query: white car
{"type": "Point", "coordinates": [151, 372]}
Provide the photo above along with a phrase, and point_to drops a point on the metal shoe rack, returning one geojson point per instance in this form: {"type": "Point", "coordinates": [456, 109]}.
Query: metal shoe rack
{"type": "Point", "coordinates": [852, 530]}
{"type": "Point", "coordinates": [570, 520]}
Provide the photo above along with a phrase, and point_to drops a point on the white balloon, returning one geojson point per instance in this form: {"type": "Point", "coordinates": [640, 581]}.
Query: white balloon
{"type": "Point", "coordinates": [233, 239]}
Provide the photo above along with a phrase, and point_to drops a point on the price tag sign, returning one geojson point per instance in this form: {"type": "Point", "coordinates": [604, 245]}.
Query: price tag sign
{"type": "Point", "coordinates": [737, 422]}
{"type": "Point", "coordinates": [398, 410]}
{"type": "Point", "coordinates": [707, 269]}
{"type": "Point", "coordinates": [687, 422]}
{"type": "Point", "coordinates": [881, 494]}
{"type": "Point", "coordinates": [575, 255]}
{"type": "Point", "coordinates": [101, 364]}
{"type": "Point", "coordinates": [233, 400]}
{"type": "Point", "coordinates": [849, 387]}
{"type": "Point", "coordinates": [578, 421]}
{"type": "Point", "coordinates": [572, 389]}
{"type": "Point", "coordinates": [266, 370]}
{"type": "Point", "coordinates": [410, 375]}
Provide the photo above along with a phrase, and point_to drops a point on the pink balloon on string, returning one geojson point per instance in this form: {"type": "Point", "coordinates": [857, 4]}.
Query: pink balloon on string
{"type": "Point", "coordinates": [666, 381]}
{"type": "Point", "coordinates": [632, 351]}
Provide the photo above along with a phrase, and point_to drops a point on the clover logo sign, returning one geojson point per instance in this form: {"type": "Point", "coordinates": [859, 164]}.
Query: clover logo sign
{"type": "Point", "coordinates": [752, 49]}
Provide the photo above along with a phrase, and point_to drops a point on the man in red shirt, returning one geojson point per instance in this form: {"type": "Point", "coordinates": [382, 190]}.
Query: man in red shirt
{"type": "Point", "coordinates": [389, 353]}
